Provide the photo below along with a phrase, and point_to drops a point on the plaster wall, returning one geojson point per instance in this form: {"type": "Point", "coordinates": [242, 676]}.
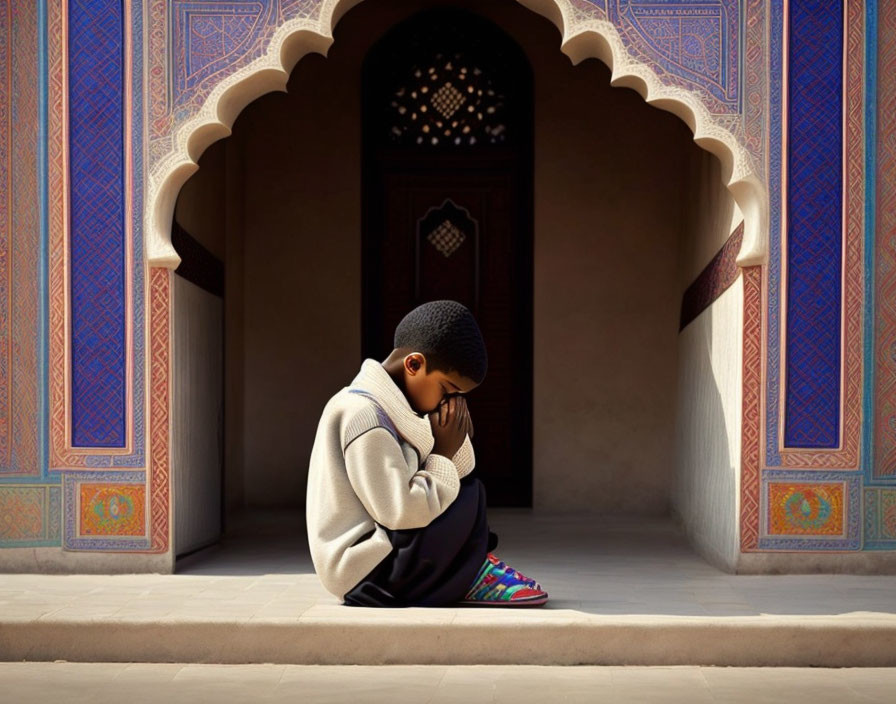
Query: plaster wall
{"type": "Point", "coordinates": [709, 389]}
{"type": "Point", "coordinates": [615, 180]}
{"type": "Point", "coordinates": [707, 428]}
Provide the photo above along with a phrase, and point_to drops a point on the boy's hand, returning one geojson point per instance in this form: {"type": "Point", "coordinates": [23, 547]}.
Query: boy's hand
{"type": "Point", "coordinates": [462, 409]}
{"type": "Point", "coordinates": [450, 424]}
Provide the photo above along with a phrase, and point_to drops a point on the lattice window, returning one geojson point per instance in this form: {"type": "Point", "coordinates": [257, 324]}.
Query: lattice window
{"type": "Point", "coordinates": [447, 100]}
{"type": "Point", "coordinates": [446, 238]}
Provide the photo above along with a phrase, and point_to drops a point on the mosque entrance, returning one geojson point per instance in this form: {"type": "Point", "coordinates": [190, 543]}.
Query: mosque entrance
{"type": "Point", "coordinates": [447, 212]}
{"type": "Point", "coordinates": [573, 227]}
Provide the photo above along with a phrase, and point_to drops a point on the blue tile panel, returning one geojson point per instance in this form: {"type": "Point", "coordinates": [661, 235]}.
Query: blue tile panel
{"type": "Point", "coordinates": [97, 178]}
{"type": "Point", "coordinates": [814, 232]}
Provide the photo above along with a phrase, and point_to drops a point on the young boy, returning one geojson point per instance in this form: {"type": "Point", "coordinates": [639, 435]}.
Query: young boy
{"type": "Point", "coordinates": [394, 519]}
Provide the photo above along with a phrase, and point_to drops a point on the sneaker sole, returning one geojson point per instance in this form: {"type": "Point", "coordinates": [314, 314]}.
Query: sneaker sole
{"type": "Point", "coordinates": [537, 601]}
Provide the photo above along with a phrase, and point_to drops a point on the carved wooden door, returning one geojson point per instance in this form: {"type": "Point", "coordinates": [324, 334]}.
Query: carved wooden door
{"type": "Point", "coordinates": [452, 218]}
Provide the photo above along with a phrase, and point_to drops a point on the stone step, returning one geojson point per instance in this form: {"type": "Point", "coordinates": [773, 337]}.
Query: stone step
{"type": "Point", "coordinates": [237, 621]}
{"type": "Point", "coordinates": [411, 638]}
{"type": "Point", "coordinates": [621, 593]}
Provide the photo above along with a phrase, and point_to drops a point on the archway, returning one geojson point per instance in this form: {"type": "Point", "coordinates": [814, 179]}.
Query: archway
{"type": "Point", "coordinates": [625, 261]}
{"type": "Point", "coordinates": [298, 37]}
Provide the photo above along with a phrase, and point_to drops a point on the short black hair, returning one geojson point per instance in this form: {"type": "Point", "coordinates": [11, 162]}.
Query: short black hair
{"type": "Point", "coordinates": [447, 334]}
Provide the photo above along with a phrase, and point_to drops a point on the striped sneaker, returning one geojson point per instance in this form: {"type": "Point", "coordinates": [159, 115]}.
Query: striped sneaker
{"type": "Point", "coordinates": [501, 565]}
{"type": "Point", "coordinates": [498, 585]}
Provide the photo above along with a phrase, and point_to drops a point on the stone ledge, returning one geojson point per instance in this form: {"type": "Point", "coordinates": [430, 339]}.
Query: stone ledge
{"type": "Point", "coordinates": [463, 636]}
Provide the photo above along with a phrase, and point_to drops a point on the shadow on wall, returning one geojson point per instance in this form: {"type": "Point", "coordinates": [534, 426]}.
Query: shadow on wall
{"type": "Point", "coordinates": [705, 493]}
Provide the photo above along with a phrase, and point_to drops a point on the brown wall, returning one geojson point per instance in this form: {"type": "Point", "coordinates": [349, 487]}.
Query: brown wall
{"type": "Point", "coordinates": [615, 181]}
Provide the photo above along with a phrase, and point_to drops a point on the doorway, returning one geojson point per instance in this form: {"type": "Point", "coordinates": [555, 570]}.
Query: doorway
{"type": "Point", "coordinates": [316, 220]}
{"type": "Point", "coordinates": [447, 211]}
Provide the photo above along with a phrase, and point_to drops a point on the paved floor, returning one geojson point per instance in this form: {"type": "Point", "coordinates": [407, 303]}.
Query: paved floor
{"type": "Point", "coordinates": [97, 683]}
{"type": "Point", "coordinates": [635, 581]}
{"type": "Point", "coordinates": [588, 564]}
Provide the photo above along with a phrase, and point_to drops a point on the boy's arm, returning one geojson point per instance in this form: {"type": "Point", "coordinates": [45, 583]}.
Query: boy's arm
{"type": "Point", "coordinates": [393, 495]}
{"type": "Point", "coordinates": [464, 459]}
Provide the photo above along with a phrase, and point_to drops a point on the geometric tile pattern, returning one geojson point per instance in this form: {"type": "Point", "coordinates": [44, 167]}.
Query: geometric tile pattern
{"type": "Point", "coordinates": [207, 34]}
{"type": "Point", "coordinates": [690, 44]}
{"type": "Point", "coordinates": [751, 408]}
{"type": "Point", "coordinates": [97, 198]}
{"type": "Point", "coordinates": [880, 519]}
{"type": "Point", "coordinates": [30, 515]}
{"type": "Point", "coordinates": [814, 224]}
{"type": "Point", "coordinates": [884, 437]}
{"type": "Point", "coordinates": [846, 455]}
{"type": "Point", "coordinates": [640, 39]}
{"type": "Point", "coordinates": [61, 453]}
{"type": "Point", "coordinates": [6, 228]}
{"type": "Point", "coordinates": [160, 407]}
{"type": "Point", "coordinates": [88, 520]}
{"type": "Point", "coordinates": [20, 243]}
{"type": "Point", "coordinates": [694, 41]}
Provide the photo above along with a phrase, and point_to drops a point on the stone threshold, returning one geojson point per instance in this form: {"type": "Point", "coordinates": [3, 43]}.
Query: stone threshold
{"type": "Point", "coordinates": [463, 636]}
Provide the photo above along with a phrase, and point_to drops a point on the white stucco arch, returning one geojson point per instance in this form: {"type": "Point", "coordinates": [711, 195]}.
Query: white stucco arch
{"type": "Point", "coordinates": [580, 40]}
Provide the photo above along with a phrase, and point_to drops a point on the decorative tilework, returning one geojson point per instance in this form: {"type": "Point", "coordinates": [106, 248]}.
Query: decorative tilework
{"type": "Point", "coordinates": [694, 41]}
{"type": "Point", "coordinates": [62, 454]}
{"type": "Point", "coordinates": [73, 493]}
{"type": "Point", "coordinates": [884, 415]}
{"type": "Point", "coordinates": [6, 229]}
{"type": "Point", "coordinates": [690, 44]}
{"type": "Point", "coordinates": [755, 78]}
{"type": "Point", "coordinates": [30, 515]}
{"type": "Point", "coordinates": [880, 519]}
{"type": "Point", "coordinates": [112, 509]}
{"type": "Point", "coordinates": [290, 9]}
{"type": "Point", "coordinates": [750, 408]}
{"type": "Point", "coordinates": [160, 407]}
{"type": "Point", "coordinates": [20, 241]}
{"type": "Point", "coordinates": [805, 509]}
{"type": "Point", "coordinates": [98, 197]}
{"type": "Point", "coordinates": [846, 456]}
{"type": "Point", "coordinates": [209, 37]}
{"type": "Point", "coordinates": [811, 510]}
{"type": "Point", "coordinates": [814, 224]}
{"type": "Point", "coordinates": [155, 483]}
{"type": "Point", "coordinates": [715, 278]}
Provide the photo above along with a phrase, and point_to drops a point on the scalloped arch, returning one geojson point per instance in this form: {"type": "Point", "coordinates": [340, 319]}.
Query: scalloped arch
{"type": "Point", "coordinates": [581, 39]}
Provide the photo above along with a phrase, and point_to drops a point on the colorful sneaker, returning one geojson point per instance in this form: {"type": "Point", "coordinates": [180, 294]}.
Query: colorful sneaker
{"type": "Point", "coordinates": [498, 586]}
{"type": "Point", "coordinates": [501, 565]}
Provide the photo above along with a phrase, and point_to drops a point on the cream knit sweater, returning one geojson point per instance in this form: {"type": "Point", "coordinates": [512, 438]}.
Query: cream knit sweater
{"type": "Point", "coordinates": [373, 467]}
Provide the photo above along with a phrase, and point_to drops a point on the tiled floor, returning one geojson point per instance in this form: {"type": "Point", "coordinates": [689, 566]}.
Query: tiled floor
{"type": "Point", "coordinates": [98, 683]}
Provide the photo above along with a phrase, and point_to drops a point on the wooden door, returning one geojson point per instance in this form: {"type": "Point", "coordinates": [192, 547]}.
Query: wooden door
{"type": "Point", "coordinates": [455, 222]}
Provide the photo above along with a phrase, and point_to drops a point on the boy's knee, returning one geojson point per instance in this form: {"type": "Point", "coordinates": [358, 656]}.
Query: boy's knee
{"type": "Point", "coordinates": [471, 483]}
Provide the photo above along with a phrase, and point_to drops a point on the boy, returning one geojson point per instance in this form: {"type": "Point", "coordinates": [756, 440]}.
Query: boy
{"type": "Point", "coordinates": [394, 519]}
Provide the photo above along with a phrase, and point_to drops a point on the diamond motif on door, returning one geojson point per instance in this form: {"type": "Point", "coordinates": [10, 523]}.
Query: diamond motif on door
{"type": "Point", "coordinates": [447, 100]}
{"type": "Point", "coordinates": [446, 238]}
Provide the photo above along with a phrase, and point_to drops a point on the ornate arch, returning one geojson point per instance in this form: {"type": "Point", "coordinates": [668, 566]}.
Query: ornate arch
{"type": "Point", "coordinates": [582, 37]}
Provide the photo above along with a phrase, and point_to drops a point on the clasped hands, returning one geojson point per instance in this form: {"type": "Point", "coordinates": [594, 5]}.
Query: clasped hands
{"type": "Point", "coordinates": [451, 423]}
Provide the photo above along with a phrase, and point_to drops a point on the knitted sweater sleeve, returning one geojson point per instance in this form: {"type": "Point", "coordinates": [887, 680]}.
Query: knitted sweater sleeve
{"type": "Point", "coordinates": [464, 459]}
{"type": "Point", "coordinates": [395, 495]}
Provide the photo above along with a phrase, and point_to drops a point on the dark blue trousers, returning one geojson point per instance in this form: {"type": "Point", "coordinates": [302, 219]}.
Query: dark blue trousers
{"type": "Point", "coordinates": [434, 565]}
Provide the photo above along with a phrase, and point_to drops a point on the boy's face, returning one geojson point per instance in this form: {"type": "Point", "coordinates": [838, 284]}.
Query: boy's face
{"type": "Point", "coordinates": [428, 390]}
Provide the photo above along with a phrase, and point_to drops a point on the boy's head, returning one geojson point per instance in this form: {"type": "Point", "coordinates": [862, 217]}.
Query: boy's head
{"type": "Point", "coordinates": [442, 352]}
